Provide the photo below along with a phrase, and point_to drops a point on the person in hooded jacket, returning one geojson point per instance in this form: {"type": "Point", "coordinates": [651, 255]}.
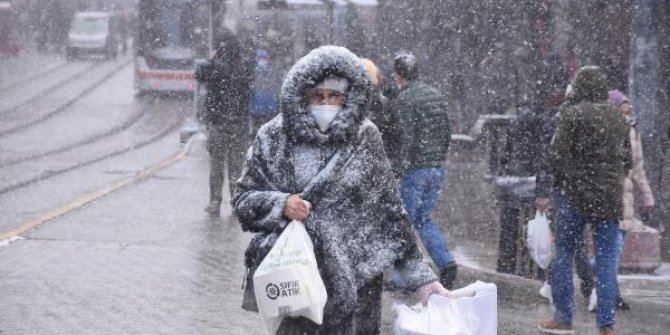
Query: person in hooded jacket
{"type": "Point", "coordinates": [226, 115]}
{"type": "Point", "coordinates": [425, 134]}
{"type": "Point", "coordinates": [636, 179]}
{"type": "Point", "coordinates": [588, 158]}
{"type": "Point", "coordinates": [321, 149]}
{"type": "Point", "coordinates": [381, 113]}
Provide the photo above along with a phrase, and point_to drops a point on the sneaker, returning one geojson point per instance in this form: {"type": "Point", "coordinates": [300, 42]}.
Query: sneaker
{"type": "Point", "coordinates": [607, 331]}
{"type": "Point", "coordinates": [585, 287]}
{"type": "Point", "coordinates": [545, 291]}
{"type": "Point", "coordinates": [593, 301]}
{"type": "Point", "coordinates": [557, 328]}
{"type": "Point", "coordinates": [214, 208]}
{"type": "Point", "coordinates": [448, 276]}
{"type": "Point", "coordinates": [621, 304]}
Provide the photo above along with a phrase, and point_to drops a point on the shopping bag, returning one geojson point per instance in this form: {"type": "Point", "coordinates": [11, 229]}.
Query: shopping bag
{"type": "Point", "coordinates": [287, 282]}
{"type": "Point", "coordinates": [540, 240]}
{"type": "Point", "coordinates": [469, 315]}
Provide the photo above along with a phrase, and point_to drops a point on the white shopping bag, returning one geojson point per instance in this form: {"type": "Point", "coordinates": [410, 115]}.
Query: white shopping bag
{"type": "Point", "coordinates": [540, 240]}
{"type": "Point", "coordinates": [287, 282]}
{"type": "Point", "coordinates": [476, 315]}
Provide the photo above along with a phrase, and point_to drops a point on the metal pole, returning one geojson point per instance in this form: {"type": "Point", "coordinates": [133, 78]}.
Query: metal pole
{"type": "Point", "coordinates": [330, 19]}
{"type": "Point", "coordinates": [645, 78]}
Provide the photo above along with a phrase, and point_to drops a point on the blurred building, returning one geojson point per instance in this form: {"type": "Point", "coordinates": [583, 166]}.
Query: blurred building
{"type": "Point", "coordinates": [43, 24]}
{"type": "Point", "coordinates": [489, 56]}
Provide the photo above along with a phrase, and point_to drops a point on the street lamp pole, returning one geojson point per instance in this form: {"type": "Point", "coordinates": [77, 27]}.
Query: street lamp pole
{"type": "Point", "coordinates": [646, 81]}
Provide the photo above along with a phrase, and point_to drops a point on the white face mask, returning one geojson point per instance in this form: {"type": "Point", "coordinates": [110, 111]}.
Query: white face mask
{"type": "Point", "coordinates": [324, 115]}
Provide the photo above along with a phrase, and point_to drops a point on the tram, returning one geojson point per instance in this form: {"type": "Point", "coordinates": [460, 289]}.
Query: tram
{"type": "Point", "coordinates": [171, 35]}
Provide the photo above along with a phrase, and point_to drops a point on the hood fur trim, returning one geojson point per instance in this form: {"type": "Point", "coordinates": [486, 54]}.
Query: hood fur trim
{"type": "Point", "coordinates": [317, 65]}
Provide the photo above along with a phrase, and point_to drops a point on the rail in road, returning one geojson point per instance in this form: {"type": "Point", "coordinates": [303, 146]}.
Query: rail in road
{"type": "Point", "coordinates": [78, 84]}
{"type": "Point", "coordinates": [95, 138]}
{"type": "Point", "coordinates": [54, 80]}
{"type": "Point", "coordinates": [41, 72]}
{"type": "Point", "coordinates": [101, 123]}
{"type": "Point", "coordinates": [41, 170]}
{"type": "Point", "coordinates": [29, 168]}
{"type": "Point", "coordinates": [83, 199]}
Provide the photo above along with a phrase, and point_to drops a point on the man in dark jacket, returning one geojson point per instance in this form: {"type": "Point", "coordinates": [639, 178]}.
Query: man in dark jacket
{"type": "Point", "coordinates": [425, 133]}
{"type": "Point", "coordinates": [523, 173]}
{"type": "Point", "coordinates": [588, 158]}
{"type": "Point", "coordinates": [226, 115]}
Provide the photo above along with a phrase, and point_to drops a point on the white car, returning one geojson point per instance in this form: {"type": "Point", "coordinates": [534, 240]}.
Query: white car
{"type": "Point", "coordinates": [92, 33]}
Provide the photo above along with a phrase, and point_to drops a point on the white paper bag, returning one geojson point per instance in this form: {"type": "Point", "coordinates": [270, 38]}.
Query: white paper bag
{"type": "Point", "coordinates": [287, 282]}
{"type": "Point", "coordinates": [540, 240]}
{"type": "Point", "coordinates": [477, 315]}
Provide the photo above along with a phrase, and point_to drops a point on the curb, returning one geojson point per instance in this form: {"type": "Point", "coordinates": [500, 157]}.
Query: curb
{"type": "Point", "coordinates": [526, 291]}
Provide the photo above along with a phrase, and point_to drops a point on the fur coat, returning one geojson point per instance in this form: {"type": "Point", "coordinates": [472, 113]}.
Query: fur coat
{"type": "Point", "coordinates": [357, 222]}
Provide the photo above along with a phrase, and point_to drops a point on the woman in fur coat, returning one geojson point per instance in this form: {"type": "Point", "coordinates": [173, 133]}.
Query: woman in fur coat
{"type": "Point", "coordinates": [322, 162]}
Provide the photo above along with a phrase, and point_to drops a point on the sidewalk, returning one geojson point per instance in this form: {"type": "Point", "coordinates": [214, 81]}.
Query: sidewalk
{"type": "Point", "coordinates": [469, 221]}
{"type": "Point", "coordinates": [26, 66]}
{"type": "Point", "coordinates": [146, 259]}
{"type": "Point", "coordinates": [520, 307]}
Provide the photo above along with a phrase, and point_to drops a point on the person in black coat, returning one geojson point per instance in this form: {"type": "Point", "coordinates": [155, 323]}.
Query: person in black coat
{"type": "Point", "coordinates": [382, 115]}
{"type": "Point", "coordinates": [526, 177]}
{"type": "Point", "coordinates": [226, 115]}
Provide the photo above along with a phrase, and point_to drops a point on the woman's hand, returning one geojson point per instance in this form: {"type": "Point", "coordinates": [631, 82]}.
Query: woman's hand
{"type": "Point", "coordinates": [296, 208]}
{"type": "Point", "coordinates": [647, 209]}
{"type": "Point", "coordinates": [542, 203]}
{"type": "Point", "coordinates": [435, 287]}
{"type": "Point", "coordinates": [429, 289]}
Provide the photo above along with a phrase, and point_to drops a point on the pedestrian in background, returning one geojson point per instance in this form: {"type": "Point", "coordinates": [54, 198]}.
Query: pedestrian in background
{"type": "Point", "coordinates": [425, 133]}
{"type": "Point", "coordinates": [322, 149]}
{"type": "Point", "coordinates": [525, 177]}
{"type": "Point", "coordinates": [264, 103]}
{"type": "Point", "coordinates": [589, 157]}
{"type": "Point", "coordinates": [636, 179]}
{"type": "Point", "coordinates": [226, 114]}
{"type": "Point", "coordinates": [380, 113]}
{"type": "Point", "coordinates": [544, 191]}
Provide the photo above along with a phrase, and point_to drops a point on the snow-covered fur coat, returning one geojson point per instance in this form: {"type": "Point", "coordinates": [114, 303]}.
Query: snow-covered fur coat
{"type": "Point", "coordinates": [636, 179]}
{"type": "Point", "coordinates": [357, 221]}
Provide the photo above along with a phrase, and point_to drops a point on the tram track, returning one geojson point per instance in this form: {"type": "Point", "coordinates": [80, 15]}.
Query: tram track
{"type": "Point", "coordinates": [64, 106]}
{"type": "Point", "coordinates": [96, 138]}
{"type": "Point", "coordinates": [47, 174]}
{"type": "Point", "coordinates": [49, 89]}
{"type": "Point", "coordinates": [12, 86]}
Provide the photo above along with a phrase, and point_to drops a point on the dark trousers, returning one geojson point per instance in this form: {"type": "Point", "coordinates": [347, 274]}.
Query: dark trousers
{"type": "Point", "coordinates": [365, 321]}
{"type": "Point", "coordinates": [507, 244]}
{"type": "Point", "coordinates": [583, 266]}
{"type": "Point", "coordinates": [226, 144]}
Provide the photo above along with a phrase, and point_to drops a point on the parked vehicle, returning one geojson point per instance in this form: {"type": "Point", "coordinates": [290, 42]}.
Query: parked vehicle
{"type": "Point", "coordinates": [92, 33]}
{"type": "Point", "coordinates": [9, 44]}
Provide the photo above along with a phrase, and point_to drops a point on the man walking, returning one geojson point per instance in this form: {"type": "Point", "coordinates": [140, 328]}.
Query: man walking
{"type": "Point", "coordinates": [425, 133]}
{"type": "Point", "coordinates": [226, 113]}
{"type": "Point", "coordinates": [588, 158]}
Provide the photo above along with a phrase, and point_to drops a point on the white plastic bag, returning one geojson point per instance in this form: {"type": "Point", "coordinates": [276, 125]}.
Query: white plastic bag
{"type": "Point", "coordinates": [540, 240]}
{"type": "Point", "coordinates": [477, 315]}
{"type": "Point", "coordinates": [287, 282]}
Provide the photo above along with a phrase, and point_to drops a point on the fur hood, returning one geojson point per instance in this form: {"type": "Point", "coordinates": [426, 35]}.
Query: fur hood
{"type": "Point", "coordinates": [304, 75]}
{"type": "Point", "coordinates": [590, 84]}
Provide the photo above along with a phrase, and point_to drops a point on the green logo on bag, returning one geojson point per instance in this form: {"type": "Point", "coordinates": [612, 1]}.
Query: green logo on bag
{"type": "Point", "coordinates": [285, 289]}
{"type": "Point", "coordinates": [272, 291]}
